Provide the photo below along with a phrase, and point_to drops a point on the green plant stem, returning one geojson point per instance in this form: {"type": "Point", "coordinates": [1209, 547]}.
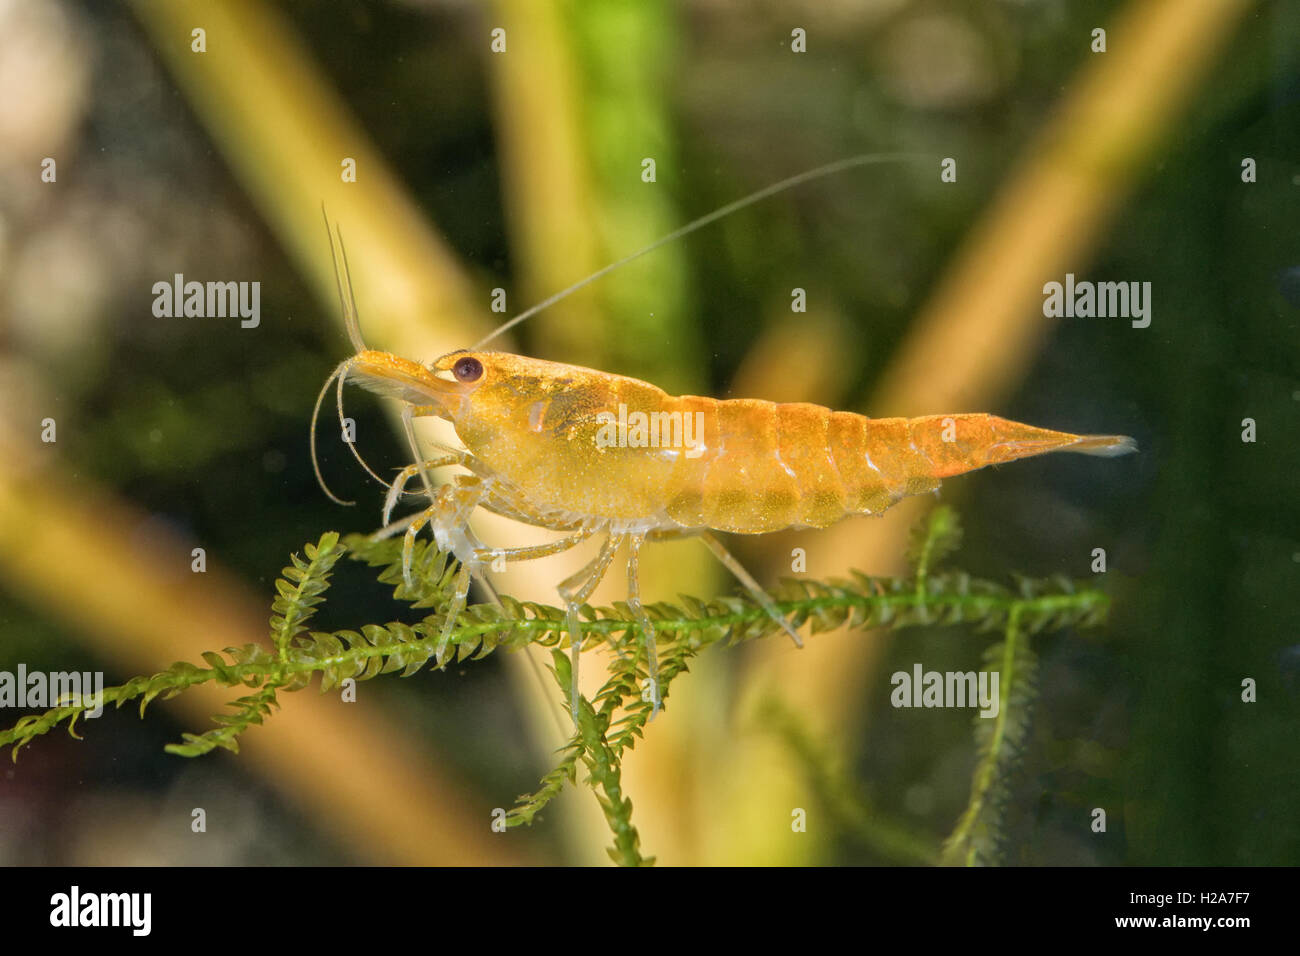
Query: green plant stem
{"type": "Point", "coordinates": [962, 846]}
{"type": "Point", "coordinates": [611, 722]}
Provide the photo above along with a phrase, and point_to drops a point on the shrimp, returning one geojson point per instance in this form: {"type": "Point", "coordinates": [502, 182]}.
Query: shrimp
{"type": "Point", "coordinates": [587, 453]}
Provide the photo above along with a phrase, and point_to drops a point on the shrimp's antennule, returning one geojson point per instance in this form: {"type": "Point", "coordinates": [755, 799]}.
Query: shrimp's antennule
{"type": "Point", "coordinates": [865, 159]}
{"type": "Point", "coordinates": [348, 303]}
{"type": "Point", "coordinates": [343, 277]}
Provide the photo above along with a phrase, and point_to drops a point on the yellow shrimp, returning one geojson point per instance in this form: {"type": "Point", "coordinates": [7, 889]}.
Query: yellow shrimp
{"type": "Point", "coordinates": [588, 453]}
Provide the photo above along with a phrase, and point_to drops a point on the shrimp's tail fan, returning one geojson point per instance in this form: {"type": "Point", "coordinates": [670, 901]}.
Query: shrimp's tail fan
{"type": "Point", "coordinates": [1103, 446]}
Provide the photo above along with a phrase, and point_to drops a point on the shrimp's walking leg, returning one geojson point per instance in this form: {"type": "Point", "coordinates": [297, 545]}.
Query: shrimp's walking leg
{"type": "Point", "coordinates": [643, 619]}
{"type": "Point", "coordinates": [575, 590]}
{"type": "Point", "coordinates": [453, 612]}
{"type": "Point", "coordinates": [532, 552]}
{"type": "Point", "coordinates": [490, 555]}
{"type": "Point", "coordinates": [408, 429]}
{"type": "Point", "coordinates": [410, 471]}
{"type": "Point", "coordinates": [466, 552]}
{"type": "Point", "coordinates": [750, 584]}
{"type": "Point", "coordinates": [449, 514]}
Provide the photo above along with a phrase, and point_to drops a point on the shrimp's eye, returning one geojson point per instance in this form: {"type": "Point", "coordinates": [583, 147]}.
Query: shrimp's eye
{"type": "Point", "coordinates": [468, 369]}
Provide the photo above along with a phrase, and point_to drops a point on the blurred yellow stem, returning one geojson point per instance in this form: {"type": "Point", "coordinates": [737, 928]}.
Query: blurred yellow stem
{"type": "Point", "coordinates": [96, 564]}
{"type": "Point", "coordinates": [984, 322]}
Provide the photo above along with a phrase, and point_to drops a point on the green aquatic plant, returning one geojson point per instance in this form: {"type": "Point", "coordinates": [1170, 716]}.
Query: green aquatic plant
{"type": "Point", "coordinates": [612, 721]}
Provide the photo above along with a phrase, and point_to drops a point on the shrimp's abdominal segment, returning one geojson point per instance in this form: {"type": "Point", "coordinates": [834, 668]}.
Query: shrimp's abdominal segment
{"type": "Point", "coordinates": [586, 452]}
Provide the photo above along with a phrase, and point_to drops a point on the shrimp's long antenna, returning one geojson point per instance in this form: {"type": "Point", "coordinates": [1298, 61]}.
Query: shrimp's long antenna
{"type": "Point", "coordinates": [339, 372]}
{"type": "Point", "coordinates": [348, 440]}
{"type": "Point", "coordinates": [864, 159]}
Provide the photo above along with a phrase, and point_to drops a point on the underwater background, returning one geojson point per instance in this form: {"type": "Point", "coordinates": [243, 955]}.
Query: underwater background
{"type": "Point", "coordinates": [1170, 156]}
